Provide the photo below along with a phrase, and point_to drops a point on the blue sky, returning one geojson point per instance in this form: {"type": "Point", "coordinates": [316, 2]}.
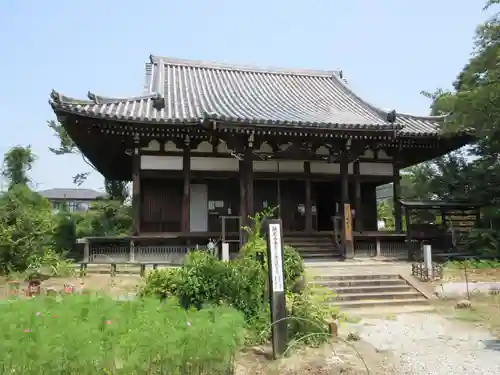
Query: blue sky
{"type": "Point", "coordinates": [389, 51]}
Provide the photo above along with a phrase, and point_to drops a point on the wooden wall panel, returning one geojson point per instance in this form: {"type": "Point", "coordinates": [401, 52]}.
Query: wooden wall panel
{"type": "Point", "coordinates": [161, 206]}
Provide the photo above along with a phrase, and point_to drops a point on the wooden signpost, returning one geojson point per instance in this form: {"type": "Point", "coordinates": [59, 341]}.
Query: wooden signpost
{"type": "Point", "coordinates": [276, 286]}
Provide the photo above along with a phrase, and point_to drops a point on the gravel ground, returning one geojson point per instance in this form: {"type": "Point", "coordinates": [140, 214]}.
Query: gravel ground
{"type": "Point", "coordinates": [429, 344]}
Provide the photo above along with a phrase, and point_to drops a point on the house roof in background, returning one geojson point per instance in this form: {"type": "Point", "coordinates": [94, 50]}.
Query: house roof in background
{"type": "Point", "coordinates": [186, 91]}
{"type": "Point", "coordinates": [71, 194]}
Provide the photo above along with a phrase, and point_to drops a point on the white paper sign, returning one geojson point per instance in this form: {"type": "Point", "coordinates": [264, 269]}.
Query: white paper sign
{"type": "Point", "coordinates": [275, 247]}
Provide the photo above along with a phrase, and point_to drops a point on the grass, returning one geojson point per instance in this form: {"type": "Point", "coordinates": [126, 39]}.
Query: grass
{"type": "Point", "coordinates": [485, 311]}
{"type": "Point", "coordinates": [454, 274]}
{"type": "Point", "coordinates": [82, 334]}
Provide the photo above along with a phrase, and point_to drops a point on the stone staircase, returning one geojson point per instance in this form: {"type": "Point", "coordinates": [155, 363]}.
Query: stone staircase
{"type": "Point", "coordinates": [370, 292]}
{"type": "Point", "coordinates": [320, 247]}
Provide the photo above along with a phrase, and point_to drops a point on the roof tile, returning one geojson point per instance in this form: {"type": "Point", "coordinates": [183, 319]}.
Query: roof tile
{"type": "Point", "coordinates": [193, 89]}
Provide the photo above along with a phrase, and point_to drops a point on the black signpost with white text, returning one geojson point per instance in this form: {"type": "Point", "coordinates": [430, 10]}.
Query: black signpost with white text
{"type": "Point", "coordinates": [276, 286]}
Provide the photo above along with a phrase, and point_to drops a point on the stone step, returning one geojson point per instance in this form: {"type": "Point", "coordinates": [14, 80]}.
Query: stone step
{"type": "Point", "coordinates": [335, 284]}
{"type": "Point", "coordinates": [320, 255]}
{"type": "Point", "coordinates": [350, 277]}
{"type": "Point", "coordinates": [387, 311]}
{"type": "Point", "coordinates": [306, 237]}
{"type": "Point", "coordinates": [411, 294]}
{"type": "Point", "coordinates": [324, 245]}
{"type": "Point", "coordinates": [371, 289]}
{"type": "Point", "coordinates": [378, 302]}
{"type": "Point", "coordinates": [320, 248]}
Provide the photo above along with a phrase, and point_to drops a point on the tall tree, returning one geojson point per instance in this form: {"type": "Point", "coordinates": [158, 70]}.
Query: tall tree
{"type": "Point", "coordinates": [17, 163]}
{"type": "Point", "coordinates": [474, 104]}
{"type": "Point", "coordinates": [116, 190]}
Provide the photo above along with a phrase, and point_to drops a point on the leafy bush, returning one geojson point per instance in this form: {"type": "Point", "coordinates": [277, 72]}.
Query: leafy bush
{"type": "Point", "coordinates": [50, 263]}
{"type": "Point", "coordinates": [26, 227]}
{"type": "Point", "coordinates": [242, 284]}
{"type": "Point", "coordinates": [97, 335]}
{"type": "Point", "coordinates": [64, 232]}
{"type": "Point", "coordinates": [204, 279]}
{"type": "Point", "coordinates": [473, 264]}
{"type": "Point", "coordinates": [311, 313]}
{"type": "Point", "coordinates": [105, 218]}
{"type": "Point", "coordinates": [483, 241]}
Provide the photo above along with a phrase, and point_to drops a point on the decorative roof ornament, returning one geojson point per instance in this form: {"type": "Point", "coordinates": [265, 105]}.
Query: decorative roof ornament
{"type": "Point", "coordinates": [55, 96]}
{"type": "Point", "coordinates": [158, 102]}
{"type": "Point", "coordinates": [391, 116]}
{"type": "Point", "coordinates": [93, 97]}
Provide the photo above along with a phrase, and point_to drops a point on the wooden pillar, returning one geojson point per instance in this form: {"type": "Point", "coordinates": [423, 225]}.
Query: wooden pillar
{"type": "Point", "coordinates": [186, 195]}
{"type": "Point", "coordinates": [308, 197]}
{"type": "Point", "coordinates": [396, 193]}
{"type": "Point", "coordinates": [243, 203]}
{"type": "Point", "coordinates": [345, 207]}
{"type": "Point", "coordinates": [248, 161]}
{"type": "Point", "coordinates": [136, 189]}
{"type": "Point", "coordinates": [359, 203]}
{"type": "Point", "coordinates": [409, 244]}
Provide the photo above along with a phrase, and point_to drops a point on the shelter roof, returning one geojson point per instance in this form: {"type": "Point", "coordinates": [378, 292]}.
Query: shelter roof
{"type": "Point", "coordinates": [436, 204]}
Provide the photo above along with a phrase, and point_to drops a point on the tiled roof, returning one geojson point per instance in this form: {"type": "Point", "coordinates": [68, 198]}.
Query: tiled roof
{"type": "Point", "coordinates": [184, 91]}
{"type": "Point", "coordinates": [71, 194]}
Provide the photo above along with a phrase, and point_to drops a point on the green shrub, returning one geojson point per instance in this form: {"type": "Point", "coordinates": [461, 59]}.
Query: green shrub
{"type": "Point", "coordinates": [473, 264]}
{"type": "Point", "coordinates": [204, 279]}
{"type": "Point", "coordinates": [97, 335]}
{"type": "Point", "coordinates": [310, 313]}
{"type": "Point", "coordinates": [293, 266]}
{"type": "Point", "coordinates": [161, 283]}
{"type": "Point", "coordinates": [26, 227]}
{"type": "Point", "coordinates": [483, 241]}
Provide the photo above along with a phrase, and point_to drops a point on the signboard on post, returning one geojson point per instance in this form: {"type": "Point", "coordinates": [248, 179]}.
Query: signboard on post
{"type": "Point", "coordinates": [276, 286]}
{"type": "Point", "coordinates": [348, 222]}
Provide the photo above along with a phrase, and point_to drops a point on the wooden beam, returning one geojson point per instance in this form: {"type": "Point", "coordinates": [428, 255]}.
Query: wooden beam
{"type": "Point", "coordinates": [308, 197]}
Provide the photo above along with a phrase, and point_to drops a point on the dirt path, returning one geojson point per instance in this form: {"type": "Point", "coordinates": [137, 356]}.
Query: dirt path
{"type": "Point", "coordinates": [430, 344]}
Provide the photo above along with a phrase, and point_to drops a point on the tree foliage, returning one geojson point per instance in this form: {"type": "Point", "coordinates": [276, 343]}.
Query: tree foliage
{"type": "Point", "coordinates": [473, 104]}
{"type": "Point", "coordinates": [17, 163]}
{"type": "Point", "coordinates": [116, 190]}
{"type": "Point", "coordinates": [26, 227]}
{"type": "Point", "coordinates": [31, 231]}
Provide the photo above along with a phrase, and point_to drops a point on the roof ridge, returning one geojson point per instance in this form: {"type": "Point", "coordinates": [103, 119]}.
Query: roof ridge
{"type": "Point", "coordinates": [57, 97]}
{"type": "Point", "coordinates": [237, 67]}
{"type": "Point", "coordinates": [381, 111]}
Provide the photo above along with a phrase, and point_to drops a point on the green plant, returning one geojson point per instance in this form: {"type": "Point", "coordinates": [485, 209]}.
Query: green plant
{"type": "Point", "coordinates": [50, 263]}
{"type": "Point", "coordinates": [26, 228]}
{"type": "Point", "coordinates": [483, 241]}
{"type": "Point", "coordinates": [256, 246]}
{"type": "Point", "coordinates": [310, 313]}
{"type": "Point", "coordinates": [97, 335]}
{"type": "Point", "coordinates": [160, 283]}
{"type": "Point", "coordinates": [473, 264]}
{"type": "Point", "coordinates": [293, 265]}
{"type": "Point", "coordinates": [204, 279]}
